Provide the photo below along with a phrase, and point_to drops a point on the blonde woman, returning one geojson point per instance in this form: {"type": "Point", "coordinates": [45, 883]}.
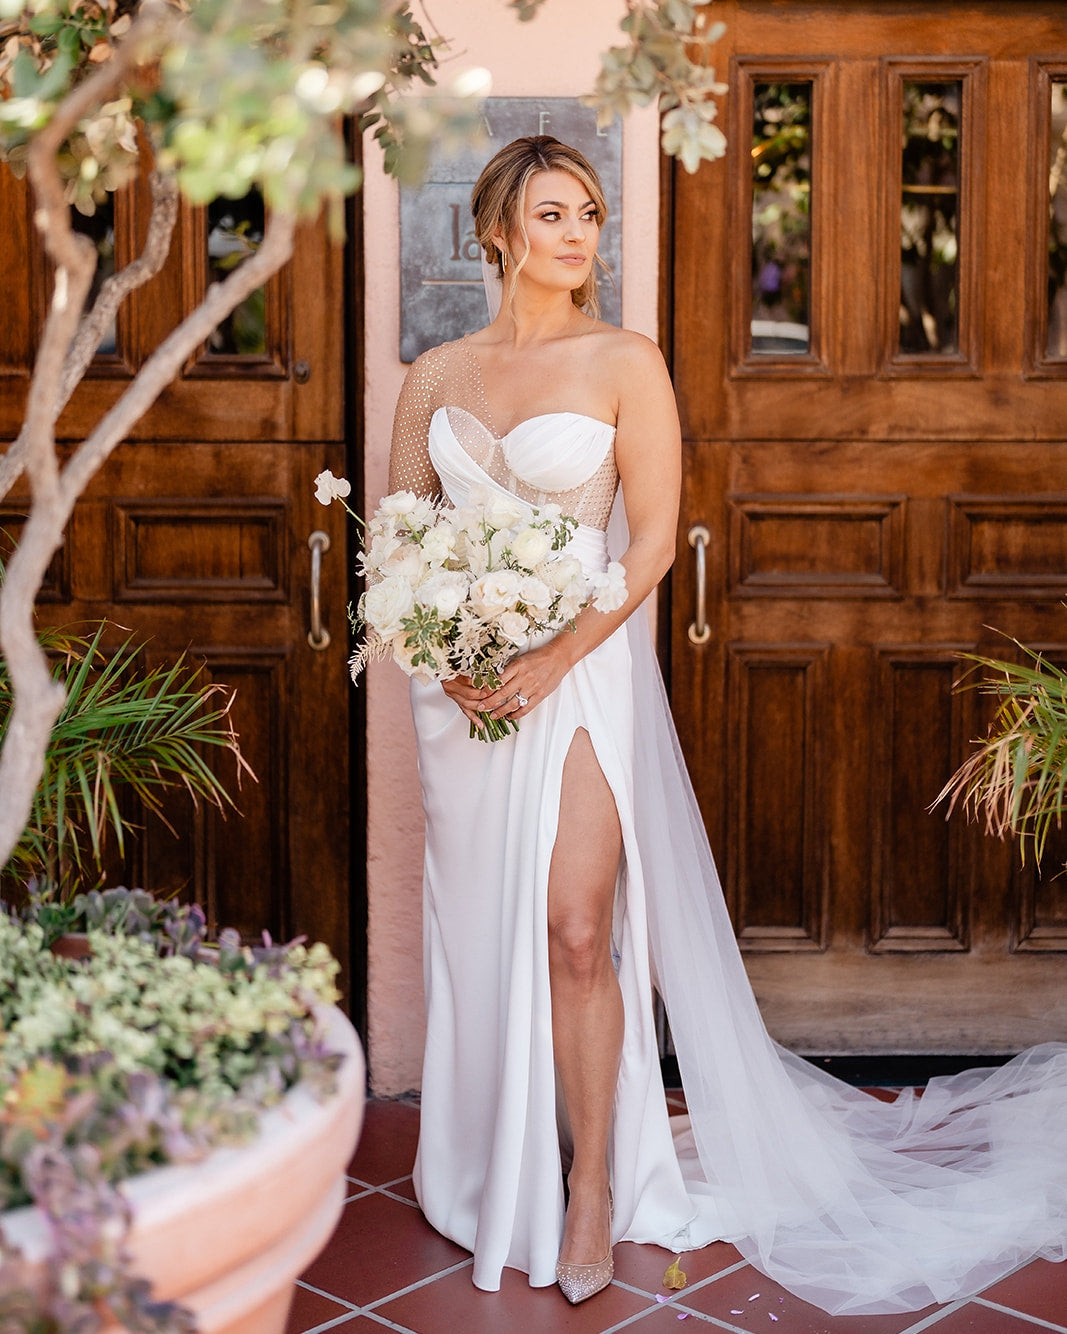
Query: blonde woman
{"type": "Point", "coordinates": [567, 874]}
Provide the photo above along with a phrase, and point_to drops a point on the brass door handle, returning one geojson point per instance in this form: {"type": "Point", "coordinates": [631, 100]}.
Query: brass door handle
{"type": "Point", "coordinates": [318, 635]}
{"type": "Point", "coordinates": [699, 630]}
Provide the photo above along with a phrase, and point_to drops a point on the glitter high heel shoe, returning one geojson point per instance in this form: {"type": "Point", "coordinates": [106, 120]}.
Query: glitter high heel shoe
{"type": "Point", "coordinates": [578, 1282]}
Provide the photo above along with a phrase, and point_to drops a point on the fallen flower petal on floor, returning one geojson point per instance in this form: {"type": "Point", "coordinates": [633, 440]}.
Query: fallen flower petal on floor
{"type": "Point", "coordinates": [674, 1278]}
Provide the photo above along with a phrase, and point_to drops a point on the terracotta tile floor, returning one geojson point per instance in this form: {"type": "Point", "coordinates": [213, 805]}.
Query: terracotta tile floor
{"type": "Point", "coordinates": [385, 1268]}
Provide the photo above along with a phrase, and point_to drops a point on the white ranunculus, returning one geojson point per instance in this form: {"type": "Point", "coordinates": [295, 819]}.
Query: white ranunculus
{"type": "Point", "coordinates": [400, 503]}
{"type": "Point", "coordinates": [495, 592]}
{"type": "Point", "coordinates": [443, 590]}
{"type": "Point", "coordinates": [535, 593]}
{"type": "Point", "coordinates": [386, 605]}
{"type": "Point", "coordinates": [559, 573]}
{"type": "Point", "coordinates": [513, 626]}
{"type": "Point", "coordinates": [531, 547]}
{"type": "Point", "coordinates": [504, 511]}
{"type": "Point", "coordinates": [438, 543]}
{"type": "Point", "coordinates": [550, 511]}
{"type": "Point", "coordinates": [609, 588]}
{"type": "Point", "coordinates": [328, 487]}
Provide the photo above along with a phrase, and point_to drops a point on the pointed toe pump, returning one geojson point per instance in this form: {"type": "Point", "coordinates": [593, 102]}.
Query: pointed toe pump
{"type": "Point", "coordinates": [579, 1282]}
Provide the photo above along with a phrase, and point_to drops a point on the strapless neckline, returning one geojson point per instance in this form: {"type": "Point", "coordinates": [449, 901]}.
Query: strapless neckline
{"type": "Point", "coordinates": [529, 421]}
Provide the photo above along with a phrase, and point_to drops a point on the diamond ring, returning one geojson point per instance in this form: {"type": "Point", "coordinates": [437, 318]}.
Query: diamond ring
{"type": "Point", "coordinates": [523, 701]}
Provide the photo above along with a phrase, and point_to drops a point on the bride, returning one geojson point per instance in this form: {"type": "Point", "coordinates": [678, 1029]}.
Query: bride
{"type": "Point", "coordinates": [567, 874]}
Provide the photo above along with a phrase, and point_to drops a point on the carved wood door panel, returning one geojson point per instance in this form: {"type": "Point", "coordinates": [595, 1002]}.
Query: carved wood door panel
{"type": "Point", "coordinates": [195, 536]}
{"type": "Point", "coordinates": [870, 359]}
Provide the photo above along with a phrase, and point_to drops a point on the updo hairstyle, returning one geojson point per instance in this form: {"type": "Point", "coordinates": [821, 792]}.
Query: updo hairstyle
{"type": "Point", "coordinates": [499, 196]}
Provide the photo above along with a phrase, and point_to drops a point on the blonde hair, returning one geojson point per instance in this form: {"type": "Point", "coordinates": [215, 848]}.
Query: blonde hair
{"type": "Point", "coordinates": [499, 197]}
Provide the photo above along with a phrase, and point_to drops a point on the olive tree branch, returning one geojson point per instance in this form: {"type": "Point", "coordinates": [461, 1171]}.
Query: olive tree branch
{"type": "Point", "coordinates": [96, 320]}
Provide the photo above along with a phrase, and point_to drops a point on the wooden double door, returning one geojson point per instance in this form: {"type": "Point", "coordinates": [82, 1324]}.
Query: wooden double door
{"type": "Point", "coordinates": [870, 354]}
{"type": "Point", "coordinates": [195, 536]}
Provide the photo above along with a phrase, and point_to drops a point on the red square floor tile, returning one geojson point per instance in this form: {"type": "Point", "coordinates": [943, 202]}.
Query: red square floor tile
{"type": "Point", "coordinates": [736, 1293]}
{"type": "Point", "coordinates": [380, 1245]}
{"type": "Point", "coordinates": [1039, 1289]}
{"type": "Point", "coordinates": [386, 1148]}
{"type": "Point", "coordinates": [310, 1309]}
{"type": "Point", "coordinates": [974, 1318]}
{"type": "Point", "coordinates": [453, 1303]}
{"type": "Point", "coordinates": [644, 1266]}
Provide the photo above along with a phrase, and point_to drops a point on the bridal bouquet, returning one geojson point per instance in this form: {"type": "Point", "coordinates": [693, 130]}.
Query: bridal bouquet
{"type": "Point", "coordinates": [460, 591]}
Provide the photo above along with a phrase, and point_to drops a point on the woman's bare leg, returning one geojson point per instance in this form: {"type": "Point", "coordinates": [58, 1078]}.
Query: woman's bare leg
{"type": "Point", "coordinates": [587, 1015]}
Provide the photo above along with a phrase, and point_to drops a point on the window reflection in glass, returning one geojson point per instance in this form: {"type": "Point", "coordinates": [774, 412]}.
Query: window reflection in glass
{"type": "Point", "coordinates": [781, 218]}
{"type": "Point", "coordinates": [929, 218]}
{"type": "Point", "coordinates": [1056, 345]}
{"type": "Point", "coordinates": [100, 229]}
{"type": "Point", "coordinates": [234, 232]}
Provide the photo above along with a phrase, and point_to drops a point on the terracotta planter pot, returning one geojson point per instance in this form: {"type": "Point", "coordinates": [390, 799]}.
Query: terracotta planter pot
{"type": "Point", "coordinates": [228, 1237]}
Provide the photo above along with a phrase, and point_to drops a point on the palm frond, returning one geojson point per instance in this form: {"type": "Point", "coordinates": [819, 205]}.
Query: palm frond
{"type": "Point", "coordinates": [1017, 780]}
{"type": "Point", "coordinates": [122, 728]}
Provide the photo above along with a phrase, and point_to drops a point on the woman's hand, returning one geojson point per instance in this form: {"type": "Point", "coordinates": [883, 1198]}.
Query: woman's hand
{"type": "Point", "coordinates": [527, 681]}
{"type": "Point", "coordinates": [469, 697]}
{"type": "Point", "coordinates": [533, 676]}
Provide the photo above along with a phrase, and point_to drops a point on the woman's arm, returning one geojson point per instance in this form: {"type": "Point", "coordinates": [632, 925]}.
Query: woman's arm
{"type": "Point", "coordinates": [648, 454]}
{"type": "Point", "coordinates": [410, 468]}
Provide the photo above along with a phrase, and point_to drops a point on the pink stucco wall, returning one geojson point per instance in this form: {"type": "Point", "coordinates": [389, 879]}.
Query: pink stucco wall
{"type": "Point", "coordinates": [554, 56]}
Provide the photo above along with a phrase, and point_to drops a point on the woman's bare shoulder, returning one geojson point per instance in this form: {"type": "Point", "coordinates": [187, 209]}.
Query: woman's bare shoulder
{"type": "Point", "coordinates": [626, 346]}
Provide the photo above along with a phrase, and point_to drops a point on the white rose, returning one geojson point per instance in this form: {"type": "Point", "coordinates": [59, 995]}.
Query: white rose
{"type": "Point", "coordinates": [559, 573]}
{"type": "Point", "coordinates": [479, 495]}
{"type": "Point", "coordinates": [503, 511]}
{"type": "Point", "coordinates": [513, 627]}
{"type": "Point", "coordinates": [329, 487]}
{"type": "Point", "coordinates": [444, 591]}
{"type": "Point", "coordinates": [530, 547]}
{"type": "Point", "coordinates": [399, 503]}
{"type": "Point", "coordinates": [386, 605]}
{"type": "Point", "coordinates": [535, 594]}
{"type": "Point", "coordinates": [495, 592]}
{"type": "Point", "coordinates": [438, 543]}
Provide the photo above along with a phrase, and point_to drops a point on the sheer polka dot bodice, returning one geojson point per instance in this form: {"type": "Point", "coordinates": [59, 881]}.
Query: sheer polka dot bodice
{"type": "Point", "coordinates": [564, 458]}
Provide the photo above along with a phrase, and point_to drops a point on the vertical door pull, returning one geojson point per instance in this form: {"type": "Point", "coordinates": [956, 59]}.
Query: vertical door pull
{"type": "Point", "coordinates": [318, 635]}
{"type": "Point", "coordinates": [699, 630]}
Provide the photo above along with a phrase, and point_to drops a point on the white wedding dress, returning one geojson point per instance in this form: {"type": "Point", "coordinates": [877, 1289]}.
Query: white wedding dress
{"type": "Point", "coordinates": [854, 1204]}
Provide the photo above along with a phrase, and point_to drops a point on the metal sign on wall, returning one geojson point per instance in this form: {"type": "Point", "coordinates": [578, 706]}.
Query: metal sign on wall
{"type": "Point", "coordinates": [441, 294]}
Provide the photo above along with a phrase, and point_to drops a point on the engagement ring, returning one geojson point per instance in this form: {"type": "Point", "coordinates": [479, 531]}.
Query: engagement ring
{"type": "Point", "coordinates": [523, 701]}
